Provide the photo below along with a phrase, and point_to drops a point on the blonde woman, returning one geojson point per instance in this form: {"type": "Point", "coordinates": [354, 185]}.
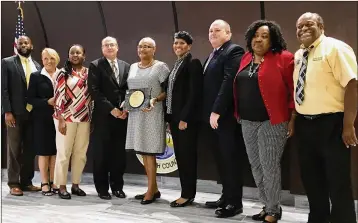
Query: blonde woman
{"type": "Point", "coordinates": [41, 97]}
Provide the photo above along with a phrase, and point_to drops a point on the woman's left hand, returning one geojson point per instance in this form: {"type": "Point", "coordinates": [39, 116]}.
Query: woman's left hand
{"type": "Point", "coordinates": [152, 104]}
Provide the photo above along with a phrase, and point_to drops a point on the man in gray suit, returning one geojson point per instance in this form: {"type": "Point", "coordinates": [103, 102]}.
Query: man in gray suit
{"type": "Point", "coordinates": [15, 75]}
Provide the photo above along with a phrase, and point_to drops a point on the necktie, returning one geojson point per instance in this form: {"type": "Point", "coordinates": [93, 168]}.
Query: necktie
{"type": "Point", "coordinates": [114, 68]}
{"type": "Point", "coordinates": [27, 76]}
{"type": "Point", "coordinates": [302, 78]}
{"type": "Point", "coordinates": [210, 57]}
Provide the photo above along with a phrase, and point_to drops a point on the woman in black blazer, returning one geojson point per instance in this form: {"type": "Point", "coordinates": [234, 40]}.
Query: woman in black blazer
{"type": "Point", "coordinates": [184, 87]}
{"type": "Point", "coordinates": [41, 97]}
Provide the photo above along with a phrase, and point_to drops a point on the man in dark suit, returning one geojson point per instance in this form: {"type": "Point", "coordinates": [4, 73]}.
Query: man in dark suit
{"type": "Point", "coordinates": [218, 116]}
{"type": "Point", "coordinates": [15, 75]}
{"type": "Point", "coordinates": [107, 85]}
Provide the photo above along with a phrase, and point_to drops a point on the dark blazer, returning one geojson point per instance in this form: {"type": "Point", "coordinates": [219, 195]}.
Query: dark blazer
{"type": "Point", "coordinates": [218, 80]}
{"type": "Point", "coordinates": [187, 90]}
{"type": "Point", "coordinates": [13, 85]}
{"type": "Point", "coordinates": [276, 84]}
{"type": "Point", "coordinates": [39, 91]}
{"type": "Point", "coordinates": [103, 87]}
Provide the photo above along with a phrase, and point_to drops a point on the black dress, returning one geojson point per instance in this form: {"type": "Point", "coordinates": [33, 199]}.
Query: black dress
{"type": "Point", "coordinates": [39, 92]}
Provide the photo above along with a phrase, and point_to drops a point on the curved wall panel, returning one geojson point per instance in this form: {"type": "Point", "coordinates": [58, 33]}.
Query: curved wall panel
{"type": "Point", "coordinates": [196, 18]}
{"type": "Point", "coordinates": [32, 27]}
{"type": "Point", "coordinates": [131, 21]}
{"type": "Point", "coordinates": [73, 22]}
{"type": "Point", "coordinates": [340, 19]}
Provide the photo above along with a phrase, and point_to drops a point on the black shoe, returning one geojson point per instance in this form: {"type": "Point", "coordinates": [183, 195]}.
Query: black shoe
{"type": "Point", "coordinates": [54, 190]}
{"type": "Point", "coordinates": [228, 211]}
{"type": "Point", "coordinates": [274, 215]}
{"type": "Point", "coordinates": [64, 195]}
{"type": "Point", "coordinates": [216, 204]}
{"type": "Point", "coordinates": [78, 191]}
{"type": "Point", "coordinates": [48, 192]}
{"type": "Point", "coordinates": [141, 196]}
{"type": "Point", "coordinates": [174, 204]}
{"type": "Point", "coordinates": [119, 193]}
{"type": "Point", "coordinates": [260, 216]}
{"type": "Point", "coordinates": [148, 201]}
{"type": "Point", "coordinates": [105, 196]}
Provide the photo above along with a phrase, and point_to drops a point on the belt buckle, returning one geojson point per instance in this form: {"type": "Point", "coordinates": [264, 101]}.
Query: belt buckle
{"type": "Point", "coordinates": [310, 117]}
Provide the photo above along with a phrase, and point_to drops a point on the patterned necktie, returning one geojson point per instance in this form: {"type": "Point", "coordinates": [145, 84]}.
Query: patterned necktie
{"type": "Point", "coordinates": [27, 76]}
{"type": "Point", "coordinates": [302, 78]}
{"type": "Point", "coordinates": [114, 68]}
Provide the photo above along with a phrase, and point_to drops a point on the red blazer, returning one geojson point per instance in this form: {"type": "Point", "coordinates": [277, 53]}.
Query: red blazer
{"type": "Point", "coordinates": [275, 82]}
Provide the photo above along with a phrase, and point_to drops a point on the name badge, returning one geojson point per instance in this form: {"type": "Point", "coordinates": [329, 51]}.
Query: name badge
{"type": "Point", "coordinates": [317, 58]}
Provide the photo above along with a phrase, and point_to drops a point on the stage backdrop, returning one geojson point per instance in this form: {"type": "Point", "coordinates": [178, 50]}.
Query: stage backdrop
{"type": "Point", "coordinates": [60, 24]}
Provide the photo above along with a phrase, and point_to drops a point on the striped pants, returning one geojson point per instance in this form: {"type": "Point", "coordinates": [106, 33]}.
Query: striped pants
{"type": "Point", "coordinates": [264, 146]}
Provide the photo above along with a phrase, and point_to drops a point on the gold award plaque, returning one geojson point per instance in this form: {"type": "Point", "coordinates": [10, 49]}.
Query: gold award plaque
{"type": "Point", "coordinates": [136, 99]}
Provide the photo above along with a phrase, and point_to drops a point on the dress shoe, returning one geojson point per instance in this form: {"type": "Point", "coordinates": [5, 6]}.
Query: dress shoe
{"type": "Point", "coordinates": [141, 196]}
{"type": "Point", "coordinates": [31, 188]}
{"type": "Point", "coordinates": [228, 211]}
{"type": "Point", "coordinates": [216, 204]}
{"type": "Point", "coordinates": [174, 204]}
{"type": "Point", "coordinates": [16, 191]}
{"type": "Point", "coordinates": [64, 195]}
{"type": "Point", "coordinates": [78, 191]}
{"type": "Point", "coordinates": [105, 196]}
{"type": "Point", "coordinates": [119, 193]}
{"type": "Point", "coordinates": [148, 201]}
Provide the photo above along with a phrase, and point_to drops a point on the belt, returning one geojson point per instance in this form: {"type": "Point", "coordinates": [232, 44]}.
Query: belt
{"type": "Point", "coordinates": [313, 117]}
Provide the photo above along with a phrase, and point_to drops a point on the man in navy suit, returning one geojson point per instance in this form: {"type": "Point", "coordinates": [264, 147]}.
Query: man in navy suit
{"type": "Point", "coordinates": [218, 116]}
{"type": "Point", "coordinates": [15, 75]}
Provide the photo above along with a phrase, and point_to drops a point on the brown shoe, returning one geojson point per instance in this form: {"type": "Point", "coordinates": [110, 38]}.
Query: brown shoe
{"type": "Point", "coordinates": [16, 191]}
{"type": "Point", "coordinates": [31, 188]}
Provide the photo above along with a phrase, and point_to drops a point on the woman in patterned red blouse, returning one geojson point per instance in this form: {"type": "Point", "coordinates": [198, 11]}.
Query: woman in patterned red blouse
{"type": "Point", "coordinates": [73, 111]}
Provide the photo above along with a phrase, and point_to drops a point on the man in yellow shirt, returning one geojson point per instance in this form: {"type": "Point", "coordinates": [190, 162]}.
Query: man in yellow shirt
{"type": "Point", "coordinates": [325, 79]}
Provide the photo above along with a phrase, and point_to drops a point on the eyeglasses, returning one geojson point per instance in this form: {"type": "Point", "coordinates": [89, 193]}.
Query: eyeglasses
{"type": "Point", "coordinates": [144, 47]}
{"type": "Point", "coordinates": [108, 45]}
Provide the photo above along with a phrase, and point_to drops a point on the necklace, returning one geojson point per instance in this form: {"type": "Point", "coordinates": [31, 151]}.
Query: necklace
{"type": "Point", "coordinates": [143, 67]}
{"type": "Point", "coordinates": [253, 71]}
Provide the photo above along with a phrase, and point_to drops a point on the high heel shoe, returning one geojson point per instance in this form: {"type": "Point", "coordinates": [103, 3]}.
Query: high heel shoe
{"type": "Point", "coordinates": [262, 215]}
{"type": "Point", "coordinates": [48, 192]}
{"type": "Point", "coordinates": [141, 196]}
{"type": "Point", "coordinates": [174, 204]}
{"type": "Point", "coordinates": [54, 190]}
{"type": "Point", "coordinates": [274, 215]}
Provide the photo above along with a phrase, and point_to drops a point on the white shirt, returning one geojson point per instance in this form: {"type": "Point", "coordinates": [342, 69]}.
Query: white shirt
{"type": "Point", "coordinates": [32, 64]}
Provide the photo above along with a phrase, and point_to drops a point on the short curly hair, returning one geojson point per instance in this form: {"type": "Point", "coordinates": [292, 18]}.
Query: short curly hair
{"type": "Point", "coordinates": [278, 43]}
{"type": "Point", "coordinates": [184, 35]}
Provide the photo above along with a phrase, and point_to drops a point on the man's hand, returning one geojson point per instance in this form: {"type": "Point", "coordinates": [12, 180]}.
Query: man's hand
{"type": "Point", "coordinates": [51, 101]}
{"type": "Point", "coordinates": [116, 113]}
{"type": "Point", "coordinates": [10, 119]}
{"type": "Point", "coordinates": [349, 135]}
{"type": "Point", "coordinates": [291, 127]}
{"type": "Point", "coordinates": [214, 120]}
{"type": "Point", "coordinates": [124, 115]}
{"type": "Point", "coordinates": [183, 125]}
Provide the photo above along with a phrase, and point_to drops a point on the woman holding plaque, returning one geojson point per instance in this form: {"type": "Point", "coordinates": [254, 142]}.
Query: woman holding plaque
{"type": "Point", "coordinates": [146, 127]}
{"type": "Point", "coordinates": [183, 88]}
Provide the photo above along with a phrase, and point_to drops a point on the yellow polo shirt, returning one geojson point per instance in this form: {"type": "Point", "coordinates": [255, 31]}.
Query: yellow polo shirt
{"type": "Point", "coordinates": [331, 65]}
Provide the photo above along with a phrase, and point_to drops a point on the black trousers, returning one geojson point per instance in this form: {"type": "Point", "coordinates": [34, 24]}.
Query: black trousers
{"type": "Point", "coordinates": [227, 153]}
{"type": "Point", "coordinates": [325, 165]}
{"type": "Point", "coordinates": [185, 148]}
{"type": "Point", "coordinates": [107, 141]}
{"type": "Point", "coordinates": [20, 153]}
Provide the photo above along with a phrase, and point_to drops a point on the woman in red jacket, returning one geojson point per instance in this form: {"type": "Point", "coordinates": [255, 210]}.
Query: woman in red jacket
{"type": "Point", "coordinates": [263, 97]}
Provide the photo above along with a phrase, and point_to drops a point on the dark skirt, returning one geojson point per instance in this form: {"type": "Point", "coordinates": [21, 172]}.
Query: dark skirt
{"type": "Point", "coordinates": [44, 136]}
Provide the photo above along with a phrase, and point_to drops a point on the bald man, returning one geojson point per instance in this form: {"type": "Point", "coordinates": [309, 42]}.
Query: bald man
{"type": "Point", "coordinates": [107, 80]}
{"type": "Point", "coordinates": [325, 79]}
{"type": "Point", "coordinates": [218, 118]}
{"type": "Point", "coordinates": [15, 75]}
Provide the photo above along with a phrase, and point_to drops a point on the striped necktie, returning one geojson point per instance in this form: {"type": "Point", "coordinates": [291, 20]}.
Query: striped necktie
{"type": "Point", "coordinates": [27, 77]}
{"type": "Point", "coordinates": [302, 78]}
{"type": "Point", "coordinates": [115, 72]}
